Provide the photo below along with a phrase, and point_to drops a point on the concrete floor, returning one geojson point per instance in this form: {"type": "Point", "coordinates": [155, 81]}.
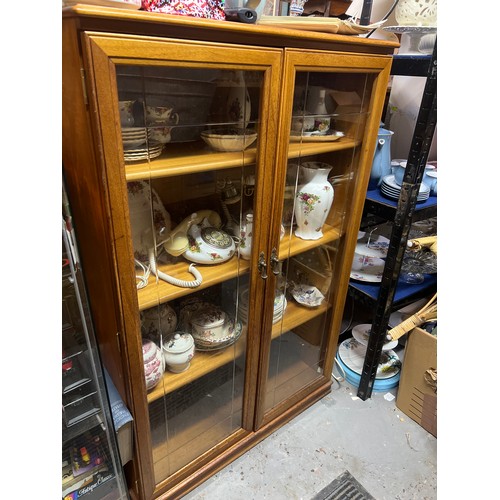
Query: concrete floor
{"type": "Point", "coordinates": [385, 451]}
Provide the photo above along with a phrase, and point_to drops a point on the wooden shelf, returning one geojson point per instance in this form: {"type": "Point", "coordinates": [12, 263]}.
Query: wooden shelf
{"type": "Point", "coordinates": [179, 159]}
{"type": "Point", "coordinates": [291, 245]}
{"type": "Point", "coordinates": [206, 362]}
{"type": "Point", "coordinates": [159, 291]}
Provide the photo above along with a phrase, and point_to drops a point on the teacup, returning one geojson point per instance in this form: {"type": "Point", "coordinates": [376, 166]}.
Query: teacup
{"type": "Point", "coordinates": [161, 115]}
{"type": "Point", "coordinates": [160, 134]}
{"type": "Point", "coordinates": [126, 113]}
{"type": "Point", "coordinates": [430, 179]}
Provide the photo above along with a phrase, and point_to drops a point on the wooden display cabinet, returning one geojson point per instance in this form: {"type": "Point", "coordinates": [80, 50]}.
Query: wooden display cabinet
{"type": "Point", "coordinates": [237, 390]}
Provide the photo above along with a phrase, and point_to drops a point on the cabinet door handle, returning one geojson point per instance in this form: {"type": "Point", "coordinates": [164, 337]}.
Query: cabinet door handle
{"type": "Point", "coordinates": [275, 262]}
{"type": "Point", "coordinates": [262, 266]}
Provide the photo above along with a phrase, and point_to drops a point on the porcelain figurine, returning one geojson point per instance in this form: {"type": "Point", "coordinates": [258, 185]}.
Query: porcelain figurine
{"type": "Point", "coordinates": [313, 201]}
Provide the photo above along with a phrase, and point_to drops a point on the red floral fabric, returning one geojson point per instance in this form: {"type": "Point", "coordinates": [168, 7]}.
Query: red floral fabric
{"type": "Point", "coordinates": [208, 9]}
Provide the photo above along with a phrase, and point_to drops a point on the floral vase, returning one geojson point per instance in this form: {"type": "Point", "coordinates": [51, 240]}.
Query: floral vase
{"type": "Point", "coordinates": [313, 201]}
{"type": "Point", "coordinates": [245, 246]}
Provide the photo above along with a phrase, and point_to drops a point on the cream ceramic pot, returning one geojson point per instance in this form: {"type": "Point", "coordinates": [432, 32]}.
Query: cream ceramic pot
{"type": "Point", "coordinates": [178, 351]}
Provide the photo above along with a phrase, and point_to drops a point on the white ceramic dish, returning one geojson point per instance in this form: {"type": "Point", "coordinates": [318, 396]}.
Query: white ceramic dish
{"type": "Point", "coordinates": [362, 334]}
{"type": "Point", "coordinates": [308, 296]}
{"type": "Point", "coordinates": [330, 136]}
{"type": "Point", "coordinates": [229, 141]}
{"type": "Point", "coordinates": [371, 273]}
{"type": "Point", "coordinates": [352, 353]}
{"type": "Point", "coordinates": [234, 333]}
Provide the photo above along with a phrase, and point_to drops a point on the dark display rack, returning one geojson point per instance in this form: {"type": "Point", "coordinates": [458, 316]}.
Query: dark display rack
{"type": "Point", "coordinates": [91, 466]}
{"type": "Point", "coordinates": [391, 293]}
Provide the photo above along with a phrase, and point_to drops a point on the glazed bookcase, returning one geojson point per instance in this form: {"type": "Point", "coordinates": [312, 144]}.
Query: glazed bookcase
{"type": "Point", "coordinates": [280, 358]}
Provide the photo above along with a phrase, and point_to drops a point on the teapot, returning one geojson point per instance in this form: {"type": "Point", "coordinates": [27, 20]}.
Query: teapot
{"type": "Point", "coordinates": [381, 165]}
{"type": "Point", "coordinates": [208, 244]}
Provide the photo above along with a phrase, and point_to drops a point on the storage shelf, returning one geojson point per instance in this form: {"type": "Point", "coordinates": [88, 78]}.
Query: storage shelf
{"type": "Point", "coordinates": [177, 159]}
{"type": "Point", "coordinates": [404, 294]}
{"type": "Point", "coordinates": [206, 362]}
{"type": "Point", "coordinates": [377, 204]}
{"type": "Point", "coordinates": [158, 291]}
{"type": "Point", "coordinates": [296, 245]}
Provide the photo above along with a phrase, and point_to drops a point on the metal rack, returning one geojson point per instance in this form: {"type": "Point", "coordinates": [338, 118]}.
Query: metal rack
{"type": "Point", "coordinates": [405, 209]}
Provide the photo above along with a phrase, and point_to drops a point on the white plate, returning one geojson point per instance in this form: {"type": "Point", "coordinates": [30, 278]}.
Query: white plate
{"type": "Point", "coordinates": [330, 136]}
{"type": "Point", "coordinates": [371, 273]}
{"type": "Point", "coordinates": [362, 333]}
{"type": "Point", "coordinates": [377, 247]}
{"type": "Point", "coordinates": [145, 156]}
{"type": "Point", "coordinates": [352, 354]}
{"type": "Point", "coordinates": [390, 181]}
{"type": "Point", "coordinates": [395, 196]}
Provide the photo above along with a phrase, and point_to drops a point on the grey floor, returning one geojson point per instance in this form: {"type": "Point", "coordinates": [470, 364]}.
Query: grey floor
{"type": "Point", "coordinates": [385, 451]}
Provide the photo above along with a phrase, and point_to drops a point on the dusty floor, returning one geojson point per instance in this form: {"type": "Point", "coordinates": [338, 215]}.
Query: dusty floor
{"type": "Point", "coordinates": [387, 452]}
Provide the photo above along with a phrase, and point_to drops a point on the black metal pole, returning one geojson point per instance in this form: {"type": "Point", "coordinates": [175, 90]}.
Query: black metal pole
{"type": "Point", "coordinates": [415, 166]}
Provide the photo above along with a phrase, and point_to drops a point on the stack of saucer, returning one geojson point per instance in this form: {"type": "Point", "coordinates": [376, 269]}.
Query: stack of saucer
{"type": "Point", "coordinates": [280, 304]}
{"type": "Point", "coordinates": [133, 136]}
{"type": "Point", "coordinates": [391, 189]}
{"type": "Point", "coordinates": [137, 147]}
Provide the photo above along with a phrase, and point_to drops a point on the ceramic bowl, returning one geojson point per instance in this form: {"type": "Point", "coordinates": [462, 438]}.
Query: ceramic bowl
{"type": "Point", "coordinates": [231, 139]}
{"type": "Point", "coordinates": [399, 171]}
{"type": "Point", "coordinates": [178, 351]}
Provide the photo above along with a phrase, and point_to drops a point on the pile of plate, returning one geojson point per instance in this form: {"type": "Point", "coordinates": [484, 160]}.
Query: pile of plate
{"type": "Point", "coordinates": [280, 304]}
{"type": "Point", "coordinates": [391, 189]}
{"type": "Point", "coordinates": [351, 357]}
{"type": "Point", "coordinates": [137, 147]}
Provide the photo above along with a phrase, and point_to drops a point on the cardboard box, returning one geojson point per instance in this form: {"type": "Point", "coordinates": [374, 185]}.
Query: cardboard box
{"type": "Point", "coordinates": [417, 392]}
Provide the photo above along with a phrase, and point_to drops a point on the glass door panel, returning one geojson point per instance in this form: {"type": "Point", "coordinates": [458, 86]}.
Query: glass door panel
{"type": "Point", "coordinates": [190, 147]}
{"type": "Point", "coordinates": [328, 121]}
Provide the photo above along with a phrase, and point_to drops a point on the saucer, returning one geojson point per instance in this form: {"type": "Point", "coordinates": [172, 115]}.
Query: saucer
{"type": "Point", "coordinates": [362, 333]}
{"type": "Point", "coordinates": [371, 273]}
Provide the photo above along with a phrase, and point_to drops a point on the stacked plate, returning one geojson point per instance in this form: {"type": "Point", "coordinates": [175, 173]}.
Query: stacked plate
{"type": "Point", "coordinates": [280, 304]}
{"type": "Point", "coordinates": [351, 357]}
{"type": "Point", "coordinates": [137, 147]}
{"type": "Point", "coordinates": [133, 136]}
{"type": "Point", "coordinates": [391, 189]}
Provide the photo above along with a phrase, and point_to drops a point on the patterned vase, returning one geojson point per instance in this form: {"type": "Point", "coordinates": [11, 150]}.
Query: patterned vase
{"type": "Point", "coordinates": [313, 201]}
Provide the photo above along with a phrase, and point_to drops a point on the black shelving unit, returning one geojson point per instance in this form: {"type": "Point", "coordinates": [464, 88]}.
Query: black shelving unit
{"type": "Point", "coordinates": [91, 464]}
{"type": "Point", "coordinates": [391, 293]}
